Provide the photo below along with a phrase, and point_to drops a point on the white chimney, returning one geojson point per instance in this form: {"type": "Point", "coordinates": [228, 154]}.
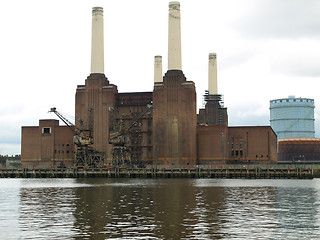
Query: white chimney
{"type": "Point", "coordinates": [97, 47]}
{"type": "Point", "coordinates": [212, 79]}
{"type": "Point", "coordinates": [158, 69]}
{"type": "Point", "coordinates": [174, 37]}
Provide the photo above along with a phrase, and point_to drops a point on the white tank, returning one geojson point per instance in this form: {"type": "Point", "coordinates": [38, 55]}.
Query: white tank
{"type": "Point", "coordinates": [292, 117]}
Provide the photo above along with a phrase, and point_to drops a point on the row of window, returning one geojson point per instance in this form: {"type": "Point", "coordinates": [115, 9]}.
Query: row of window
{"type": "Point", "coordinates": [237, 153]}
{"type": "Point", "coordinates": [62, 151]}
{"type": "Point", "coordinates": [62, 145]}
{"type": "Point", "coordinates": [294, 100]}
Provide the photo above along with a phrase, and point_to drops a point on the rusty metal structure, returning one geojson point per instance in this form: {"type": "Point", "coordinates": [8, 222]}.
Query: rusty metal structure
{"type": "Point", "coordinates": [85, 155]}
{"type": "Point", "coordinates": [121, 135]}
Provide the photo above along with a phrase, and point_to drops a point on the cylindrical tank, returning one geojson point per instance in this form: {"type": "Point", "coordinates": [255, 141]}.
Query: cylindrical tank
{"type": "Point", "coordinates": [292, 117]}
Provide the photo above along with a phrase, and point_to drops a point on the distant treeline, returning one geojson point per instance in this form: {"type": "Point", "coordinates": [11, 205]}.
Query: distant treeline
{"type": "Point", "coordinates": [12, 157]}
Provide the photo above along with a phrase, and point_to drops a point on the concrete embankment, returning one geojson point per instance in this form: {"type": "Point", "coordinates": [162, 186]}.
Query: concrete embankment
{"type": "Point", "coordinates": [249, 172]}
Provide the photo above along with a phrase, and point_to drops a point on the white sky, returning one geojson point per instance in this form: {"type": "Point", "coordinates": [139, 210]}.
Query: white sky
{"type": "Point", "coordinates": [266, 49]}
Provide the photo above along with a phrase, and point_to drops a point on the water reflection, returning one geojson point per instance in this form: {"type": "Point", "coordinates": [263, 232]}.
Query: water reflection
{"type": "Point", "coordinates": [9, 209]}
{"type": "Point", "coordinates": [159, 209]}
{"type": "Point", "coordinates": [298, 212]}
{"type": "Point", "coordinates": [46, 210]}
{"type": "Point", "coordinates": [271, 212]}
{"type": "Point", "coordinates": [147, 209]}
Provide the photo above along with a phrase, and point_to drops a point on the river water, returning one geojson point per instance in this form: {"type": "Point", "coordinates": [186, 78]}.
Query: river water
{"type": "Point", "coordinates": [159, 209]}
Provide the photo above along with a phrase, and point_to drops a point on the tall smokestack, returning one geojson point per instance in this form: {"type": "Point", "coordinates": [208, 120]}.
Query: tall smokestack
{"type": "Point", "coordinates": [158, 69]}
{"type": "Point", "coordinates": [97, 48]}
{"type": "Point", "coordinates": [212, 79]}
{"type": "Point", "coordinates": [174, 37]}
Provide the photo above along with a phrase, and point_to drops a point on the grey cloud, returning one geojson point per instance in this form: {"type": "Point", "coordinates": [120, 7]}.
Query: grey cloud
{"type": "Point", "coordinates": [282, 18]}
{"type": "Point", "coordinates": [248, 114]}
{"type": "Point", "coordinates": [237, 58]}
{"type": "Point", "coordinates": [249, 121]}
{"type": "Point", "coordinates": [297, 70]}
{"type": "Point", "coordinates": [302, 62]}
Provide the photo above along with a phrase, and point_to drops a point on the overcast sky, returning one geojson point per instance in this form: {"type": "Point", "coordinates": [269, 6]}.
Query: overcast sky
{"type": "Point", "coordinates": [266, 49]}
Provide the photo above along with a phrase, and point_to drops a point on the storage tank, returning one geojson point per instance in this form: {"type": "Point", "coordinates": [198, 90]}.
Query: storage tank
{"type": "Point", "coordinates": [292, 117]}
{"type": "Point", "coordinates": [299, 150]}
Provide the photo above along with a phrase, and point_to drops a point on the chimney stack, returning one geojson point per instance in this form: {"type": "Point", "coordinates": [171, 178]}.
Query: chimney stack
{"type": "Point", "coordinates": [158, 69]}
{"type": "Point", "coordinates": [174, 37]}
{"type": "Point", "coordinates": [212, 79]}
{"type": "Point", "coordinates": [97, 47]}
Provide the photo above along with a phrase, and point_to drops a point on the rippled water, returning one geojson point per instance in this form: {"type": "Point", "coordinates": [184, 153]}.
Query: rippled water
{"type": "Point", "coordinates": [159, 209]}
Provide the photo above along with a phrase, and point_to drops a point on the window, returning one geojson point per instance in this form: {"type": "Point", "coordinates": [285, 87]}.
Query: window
{"type": "Point", "coordinates": [46, 130]}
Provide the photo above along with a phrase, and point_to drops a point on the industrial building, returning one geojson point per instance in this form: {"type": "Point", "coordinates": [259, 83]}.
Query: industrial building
{"type": "Point", "coordinates": [292, 117]}
{"type": "Point", "coordinates": [47, 144]}
{"type": "Point", "coordinates": [299, 150]}
{"type": "Point", "coordinates": [160, 127]}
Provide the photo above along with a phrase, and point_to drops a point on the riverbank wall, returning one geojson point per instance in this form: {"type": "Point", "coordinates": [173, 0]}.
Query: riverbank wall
{"type": "Point", "coordinates": [238, 172]}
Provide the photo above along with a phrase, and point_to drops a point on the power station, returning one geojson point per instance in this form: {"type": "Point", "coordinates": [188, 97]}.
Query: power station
{"type": "Point", "coordinates": [160, 127]}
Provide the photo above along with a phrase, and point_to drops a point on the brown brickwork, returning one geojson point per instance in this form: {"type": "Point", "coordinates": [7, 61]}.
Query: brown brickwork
{"type": "Point", "coordinates": [213, 114]}
{"type": "Point", "coordinates": [47, 145]}
{"type": "Point", "coordinates": [212, 145]}
{"type": "Point", "coordinates": [169, 134]}
{"type": "Point", "coordinates": [257, 145]}
{"type": "Point", "coordinates": [174, 120]}
{"type": "Point", "coordinates": [299, 150]}
{"type": "Point", "coordinates": [92, 106]}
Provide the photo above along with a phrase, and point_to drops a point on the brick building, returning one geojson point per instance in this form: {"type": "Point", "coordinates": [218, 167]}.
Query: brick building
{"type": "Point", "coordinates": [171, 133]}
{"type": "Point", "coordinates": [47, 145]}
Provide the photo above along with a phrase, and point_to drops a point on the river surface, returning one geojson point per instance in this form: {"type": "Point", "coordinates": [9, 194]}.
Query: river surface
{"type": "Point", "coordinates": [159, 209]}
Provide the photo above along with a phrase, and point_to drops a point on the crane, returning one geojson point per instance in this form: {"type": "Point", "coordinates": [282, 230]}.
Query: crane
{"type": "Point", "coordinates": [85, 155]}
{"type": "Point", "coordinates": [119, 137]}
